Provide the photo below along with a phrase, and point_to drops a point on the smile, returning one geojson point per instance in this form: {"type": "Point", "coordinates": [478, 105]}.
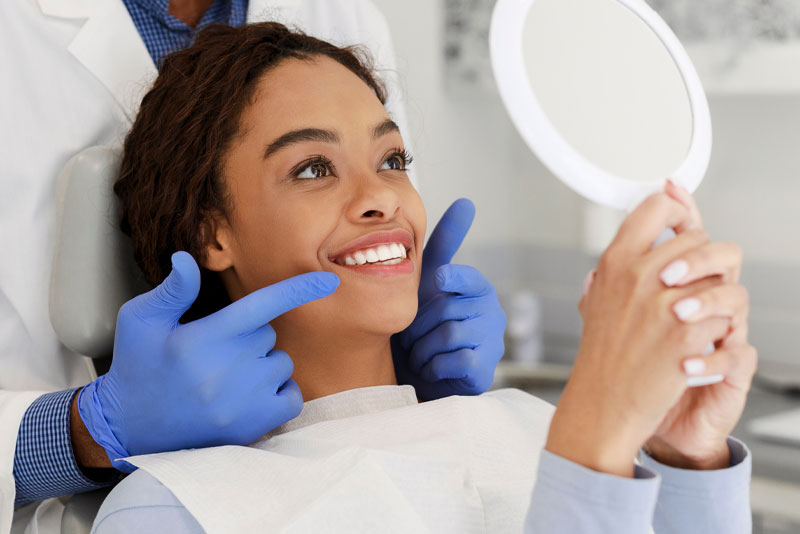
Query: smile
{"type": "Point", "coordinates": [390, 254]}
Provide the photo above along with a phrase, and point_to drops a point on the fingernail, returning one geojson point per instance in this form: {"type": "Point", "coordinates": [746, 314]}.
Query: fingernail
{"type": "Point", "coordinates": [694, 367]}
{"type": "Point", "coordinates": [686, 308]}
{"type": "Point", "coordinates": [674, 272]}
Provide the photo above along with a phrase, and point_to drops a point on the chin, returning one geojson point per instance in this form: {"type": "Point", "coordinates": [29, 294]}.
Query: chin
{"type": "Point", "coordinates": [388, 320]}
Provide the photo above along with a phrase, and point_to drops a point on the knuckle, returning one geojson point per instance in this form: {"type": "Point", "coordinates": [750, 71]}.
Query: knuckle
{"type": "Point", "coordinates": [610, 260]}
{"type": "Point", "coordinates": [450, 330]}
{"type": "Point", "coordinates": [282, 364]}
{"type": "Point", "coordinates": [470, 360]}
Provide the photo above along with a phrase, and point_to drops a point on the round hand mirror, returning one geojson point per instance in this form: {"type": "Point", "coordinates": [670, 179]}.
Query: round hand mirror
{"type": "Point", "coordinates": [605, 95]}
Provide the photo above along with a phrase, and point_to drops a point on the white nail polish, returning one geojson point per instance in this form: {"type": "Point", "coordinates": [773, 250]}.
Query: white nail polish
{"type": "Point", "coordinates": [686, 308]}
{"type": "Point", "coordinates": [694, 367]}
{"type": "Point", "coordinates": [674, 272]}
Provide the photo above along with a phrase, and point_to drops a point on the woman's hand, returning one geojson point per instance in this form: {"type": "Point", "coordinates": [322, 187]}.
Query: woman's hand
{"type": "Point", "coordinates": [693, 435]}
{"type": "Point", "coordinates": [628, 373]}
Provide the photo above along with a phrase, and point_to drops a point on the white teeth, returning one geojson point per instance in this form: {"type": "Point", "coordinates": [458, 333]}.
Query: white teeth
{"type": "Point", "coordinates": [390, 254]}
{"type": "Point", "coordinates": [384, 253]}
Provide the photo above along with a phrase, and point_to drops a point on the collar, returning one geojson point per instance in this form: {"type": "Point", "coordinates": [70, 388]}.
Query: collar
{"type": "Point", "coordinates": [350, 403]}
{"type": "Point", "coordinates": [70, 9]}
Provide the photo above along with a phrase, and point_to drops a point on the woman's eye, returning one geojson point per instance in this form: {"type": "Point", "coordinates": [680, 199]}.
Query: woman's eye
{"type": "Point", "coordinates": [394, 163]}
{"type": "Point", "coordinates": [315, 170]}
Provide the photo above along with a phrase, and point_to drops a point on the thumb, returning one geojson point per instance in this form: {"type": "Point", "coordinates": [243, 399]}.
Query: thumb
{"type": "Point", "coordinates": [445, 240]}
{"type": "Point", "coordinates": [172, 297]}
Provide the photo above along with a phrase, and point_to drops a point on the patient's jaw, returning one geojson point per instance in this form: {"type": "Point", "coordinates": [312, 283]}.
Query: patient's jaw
{"type": "Point", "coordinates": [308, 205]}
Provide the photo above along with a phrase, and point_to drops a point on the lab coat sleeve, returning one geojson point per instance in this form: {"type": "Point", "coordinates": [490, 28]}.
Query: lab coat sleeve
{"type": "Point", "coordinates": [140, 503]}
{"type": "Point", "coordinates": [569, 497]}
{"type": "Point", "coordinates": [705, 501]}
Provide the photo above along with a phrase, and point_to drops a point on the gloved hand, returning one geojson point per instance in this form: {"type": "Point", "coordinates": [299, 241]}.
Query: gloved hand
{"type": "Point", "coordinates": [456, 339]}
{"type": "Point", "coordinates": [214, 381]}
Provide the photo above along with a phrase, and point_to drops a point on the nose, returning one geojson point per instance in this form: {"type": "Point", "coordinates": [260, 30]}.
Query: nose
{"type": "Point", "coordinates": [374, 199]}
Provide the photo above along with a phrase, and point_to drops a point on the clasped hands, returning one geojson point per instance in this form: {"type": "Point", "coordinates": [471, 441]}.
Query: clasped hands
{"type": "Point", "coordinates": [649, 315]}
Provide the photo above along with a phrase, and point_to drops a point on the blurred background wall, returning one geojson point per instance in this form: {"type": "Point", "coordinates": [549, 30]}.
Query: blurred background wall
{"type": "Point", "coordinates": [530, 230]}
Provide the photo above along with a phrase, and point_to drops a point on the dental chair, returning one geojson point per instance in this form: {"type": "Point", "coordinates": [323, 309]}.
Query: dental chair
{"type": "Point", "coordinates": [93, 275]}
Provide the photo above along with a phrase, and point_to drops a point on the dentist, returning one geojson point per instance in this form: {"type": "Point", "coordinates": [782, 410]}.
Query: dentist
{"type": "Point", "coordinates": [74, 73]}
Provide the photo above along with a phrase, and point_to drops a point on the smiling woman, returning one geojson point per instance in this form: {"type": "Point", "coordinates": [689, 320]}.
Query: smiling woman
{"type": "Point", "coordinates": [267, 169]}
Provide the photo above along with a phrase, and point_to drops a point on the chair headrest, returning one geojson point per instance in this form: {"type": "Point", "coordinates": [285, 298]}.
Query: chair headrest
{"type": "Point", "coordinates": [94, 272]}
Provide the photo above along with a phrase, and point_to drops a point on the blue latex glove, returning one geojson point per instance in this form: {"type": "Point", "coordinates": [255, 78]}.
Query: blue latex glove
{"type": "Point", "coordinates": [456, 339]}
{"type": "Point", "coordinates": [214, 381]}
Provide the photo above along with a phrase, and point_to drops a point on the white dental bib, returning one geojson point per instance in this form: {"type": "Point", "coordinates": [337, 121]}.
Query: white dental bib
{"type": "Point", "coordinates": [371, 460]}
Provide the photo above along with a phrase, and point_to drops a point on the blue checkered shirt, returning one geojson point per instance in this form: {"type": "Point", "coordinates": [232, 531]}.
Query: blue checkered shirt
{"type": "Point", "coordinates": [162, 33]}
{"type": "Point", "coordinates": [44, 464]}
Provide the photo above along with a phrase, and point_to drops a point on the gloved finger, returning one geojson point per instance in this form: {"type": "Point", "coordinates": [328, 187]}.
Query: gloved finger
{"type": "Point", "coordinates": [259, 342]}
{"type": "Point", "coordinates": [445, 240]}
{"type": "Point", "coordinates": [292, 397]}
{"type": "Point", "coordinates": [440, 309]}
{"type": "Point", "coordinates": [463, 280]}
{"type": "Point", "coordinates": [460, 364]}
{"type": "Point", "coordinates": [168, 301]}
{"type": "Point", "coordinates": [277, 367]}
{"type": "Point", "coordinates": [447, 337]}
{"type": "Point", "coordinates": [262, 306]}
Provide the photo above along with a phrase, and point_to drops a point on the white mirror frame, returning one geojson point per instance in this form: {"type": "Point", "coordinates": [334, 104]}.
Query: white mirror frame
{"type": "Point", "coordinates": [508, 62]}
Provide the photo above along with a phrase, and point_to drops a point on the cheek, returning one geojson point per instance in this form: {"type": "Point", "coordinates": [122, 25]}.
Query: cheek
{"type": "Point", "coordinates": [277, 243]}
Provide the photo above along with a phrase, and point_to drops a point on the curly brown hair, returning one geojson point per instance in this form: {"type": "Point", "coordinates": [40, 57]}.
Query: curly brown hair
{"type": "Point", "coordinates": [171, 180]}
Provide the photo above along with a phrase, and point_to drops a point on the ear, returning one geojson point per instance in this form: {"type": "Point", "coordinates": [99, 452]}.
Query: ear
{"type": "Point", "coordinates": [217, 239]}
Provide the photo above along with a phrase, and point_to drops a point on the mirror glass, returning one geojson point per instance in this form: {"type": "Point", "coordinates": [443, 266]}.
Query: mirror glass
{"type": "Point", "coordinates": [609, 86]}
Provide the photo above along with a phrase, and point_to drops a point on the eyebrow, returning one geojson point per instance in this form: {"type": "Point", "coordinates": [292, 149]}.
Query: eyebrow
{"type": "Point", "coordinates": [324, 136]}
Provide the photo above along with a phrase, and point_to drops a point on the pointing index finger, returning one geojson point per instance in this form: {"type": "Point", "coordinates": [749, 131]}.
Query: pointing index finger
{"type": "Point", "coordinates": [262, 306]}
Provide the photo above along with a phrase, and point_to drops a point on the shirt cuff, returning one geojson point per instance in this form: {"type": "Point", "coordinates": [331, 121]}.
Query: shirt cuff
{"type": "Point", "coordinates": [705, 501]}
{"type": "Point", "coordinates": [44, 463]}
{"type": "Point", "coordinates": [569, 497]}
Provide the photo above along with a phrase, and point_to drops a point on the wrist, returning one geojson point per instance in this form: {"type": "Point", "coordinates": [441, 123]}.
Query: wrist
{"type": "Point", "coordinates": [592, 438]}
{"type": "Point", "coordinates": [718, 457]}
{"type": "Point", "coordinates": [88, 453]}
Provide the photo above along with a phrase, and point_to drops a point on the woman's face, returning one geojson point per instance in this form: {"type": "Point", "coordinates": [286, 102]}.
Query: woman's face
{"type": "Point", "coordinates": [316, 183]}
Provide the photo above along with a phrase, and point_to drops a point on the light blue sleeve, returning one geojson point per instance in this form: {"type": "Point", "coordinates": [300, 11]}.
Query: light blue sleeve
{"type": "Point", "coordinates": [140, 503]}
{"type": "Point", "coordinates": [569, 497]}
{"type": "Point", "coordinates": [705, 501]}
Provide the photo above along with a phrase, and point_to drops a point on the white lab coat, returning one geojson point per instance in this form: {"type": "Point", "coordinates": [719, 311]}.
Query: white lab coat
{"type": "Point", "coordinates": [74, 72]}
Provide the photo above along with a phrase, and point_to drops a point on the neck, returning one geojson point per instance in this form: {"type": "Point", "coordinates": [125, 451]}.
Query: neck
{"type": "Point", "coordinates": [189, 11]}
{"type": "Point", "coordinates": [324, 365]}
